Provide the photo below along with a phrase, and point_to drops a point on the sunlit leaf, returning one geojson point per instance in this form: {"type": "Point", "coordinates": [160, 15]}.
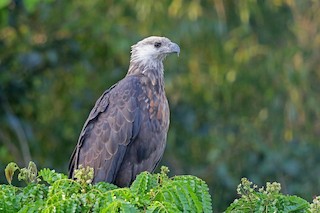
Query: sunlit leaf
{"type": "Point", "coordinates": [9, 171]}
{"type": "Point", "coordinates": [4, 3]}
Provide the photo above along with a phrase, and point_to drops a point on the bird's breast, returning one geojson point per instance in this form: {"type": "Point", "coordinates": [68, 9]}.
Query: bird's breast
{"type": "Point", "coordinates": [154, 104]}
{"type": "Point", "coordinates": [158, 109]}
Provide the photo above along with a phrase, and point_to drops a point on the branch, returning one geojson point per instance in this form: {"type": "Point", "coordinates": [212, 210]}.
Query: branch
{"type": "Point", "coordinates": [18, 129]}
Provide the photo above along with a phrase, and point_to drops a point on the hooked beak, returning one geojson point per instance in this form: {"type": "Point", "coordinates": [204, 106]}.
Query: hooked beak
{"type": "Point", "coordinates": [174, 48]}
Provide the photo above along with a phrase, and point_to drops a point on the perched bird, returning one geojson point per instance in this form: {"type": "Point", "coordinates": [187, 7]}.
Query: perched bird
{"type": "Point", "coordinates": [126, 131]}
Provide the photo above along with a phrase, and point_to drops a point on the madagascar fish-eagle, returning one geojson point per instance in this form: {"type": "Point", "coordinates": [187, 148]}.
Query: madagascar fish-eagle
{"type": "Point", "coordinates": [126, 131]}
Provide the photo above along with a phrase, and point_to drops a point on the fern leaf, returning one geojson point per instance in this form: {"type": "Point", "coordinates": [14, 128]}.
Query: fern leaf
{"type": "Point", "coordinates": [36, 206]}
{"type": "Point", "coordinates": [187, 184]}
{"type": "Point", "coordinates": [194, 198]}
{"type": "Point", "coordinates": [115, 196]}
{"type": "Point", "coordinates": [50, 176]}
{"type": "Point", "coordinates": [189, 193]}
{"type": "Point", "coordinates": [104, 187]}
{"type": "Point", "coordinates": [61, 203]}
{"type": "Point", "coordinates": [32, 193]}
{"type": "Point", "coordinates": [8, 200]}
{"type": "Point", "coordinates": [162, 207]}
{"type": "Point", "coordinates": [119, 206]}
{"type": "Point", "coordinates": [66, 186]}
{"type": "Point", "coordinates": [172, 192]}
{"type": "Point", "coordinates": [199, 188]}
{"type": "Point", "coordinates": [205, 197]}
{"type": "Point", "coordinates": [101, 202]}
{"type": "Point", "coordinates": [143, 183]}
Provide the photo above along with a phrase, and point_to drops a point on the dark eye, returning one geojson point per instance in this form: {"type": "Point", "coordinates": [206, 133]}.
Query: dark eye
{"type": "Point", "coordinates": [157, 44]}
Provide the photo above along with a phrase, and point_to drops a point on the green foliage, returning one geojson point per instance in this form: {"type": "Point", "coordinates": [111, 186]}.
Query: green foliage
{"type": "Point", "coordinates": [148, 193]}
{"type": "Point", "coordinates": [151, 193]}
{"type": "Point", "coordinates": [315, 205]}
{"type": "Point", "coordinates": [29, 175]}
{"type": "Point", "coordinates": [268, 200]}
{"type": "Point", "coordinates": [50, 176]}
{"type": "Point", "coordinates": [84, 175]}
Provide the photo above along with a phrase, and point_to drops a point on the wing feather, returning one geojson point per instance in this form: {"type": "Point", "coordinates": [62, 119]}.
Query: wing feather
{"type": "Point", "coordinates": [112, 124]}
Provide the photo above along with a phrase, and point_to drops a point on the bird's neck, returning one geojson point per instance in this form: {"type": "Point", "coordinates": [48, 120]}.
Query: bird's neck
{"type": "Point", "coordinates": [152, 70]}
{"type": "Point", "coordinates": [138, 65]}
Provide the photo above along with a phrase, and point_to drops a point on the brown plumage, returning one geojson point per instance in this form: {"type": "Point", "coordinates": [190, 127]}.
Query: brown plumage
{"type": "Point", "coordinates": [126, 130]}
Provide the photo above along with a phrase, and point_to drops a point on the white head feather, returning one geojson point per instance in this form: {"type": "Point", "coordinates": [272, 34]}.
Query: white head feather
{"type": "Point", "coordinates": [150, 52]}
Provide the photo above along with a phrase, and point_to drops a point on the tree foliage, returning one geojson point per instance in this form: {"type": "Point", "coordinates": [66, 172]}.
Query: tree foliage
{"type": "Point", "coordinates": [54, 192]}
{"type": "Point", "coordinates": [267, 199]}
{"type": "Point", "coordinates": [244, 93]}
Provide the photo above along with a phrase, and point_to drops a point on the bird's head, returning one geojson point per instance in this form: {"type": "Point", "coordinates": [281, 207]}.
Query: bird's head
{"type": "Point", "coordinates": [152, 50]}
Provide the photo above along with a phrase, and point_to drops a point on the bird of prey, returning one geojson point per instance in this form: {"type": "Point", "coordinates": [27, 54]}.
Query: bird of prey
{"type": "Point", "coordinates": [126, 131]}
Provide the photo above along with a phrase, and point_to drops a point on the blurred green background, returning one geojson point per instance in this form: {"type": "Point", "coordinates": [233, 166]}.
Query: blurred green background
{"type": "Point", "coordinates": [244, 93]}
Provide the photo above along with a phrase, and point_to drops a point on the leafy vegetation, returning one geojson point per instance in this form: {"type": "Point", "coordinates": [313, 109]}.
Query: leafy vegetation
{"type": "Point", "coordinates": [54, 192]}
{"type": "Point", "coordinates": [49, 191]}
{"type": "Point", "coordinates": [243, 95]}
{"type": "Point", "coordinates": [267, 199]}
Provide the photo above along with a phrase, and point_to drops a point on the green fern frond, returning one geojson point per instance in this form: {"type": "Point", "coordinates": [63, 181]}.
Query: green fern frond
{"type": "Point", "coordinates": [9, 202]}
{"type": "Point", "coordinates": [60, 203]}
{"type": "Point", "coordinates": [36, 206]}
{"type": "Point", "coordinates": [143, 183]}
{"type": "Point", "coordinates": [120, 199]}
{"type": "Point", "coordinates": [101, 202]}
{"type": "Point", "coordinates": [173, 192]}
{"type": "Point", "coordinates": [162, 207]}
{"type": "Point", "coordinates": [119, 206]}
{"type": "Point", "coordinates": [120, 194]}
{"type": "Point", "coordinates": [67, 186]}
{"type": "Point", "coordinates": [189, 193]}
{"type": "Point", "coordinates": [116, 195]}
{"type": "Point", "coordinates": [51, 176]}
{"type": "Point", "coordinates": [104, 187]}
{"type": "Point", "coordinates": [199, 188]}
{"type": "Point", "coordinates": [32, 193]}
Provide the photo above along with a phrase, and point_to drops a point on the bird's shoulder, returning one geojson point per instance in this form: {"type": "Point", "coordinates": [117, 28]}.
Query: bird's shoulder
{"type": "Point", "coordinates": [128, 83]}
{"type": "Point", "coordinates": [122, 90]}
